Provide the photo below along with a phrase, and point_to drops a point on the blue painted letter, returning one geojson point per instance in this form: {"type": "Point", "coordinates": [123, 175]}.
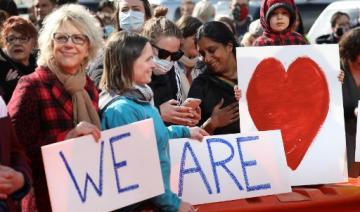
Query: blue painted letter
{"type": "Point", "coordinates": [244, 164]}
{"type": "Point", "coordinates": [222, 163]}
{"type": "Point", "coordinates": [87, 177]}
{"type": "Point", "coordinates": [184, 171]}
{"type": "Point", "coordinates": [118, 165]}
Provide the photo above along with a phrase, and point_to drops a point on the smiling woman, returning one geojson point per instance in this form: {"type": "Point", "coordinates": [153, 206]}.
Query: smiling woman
{"type": "Point", "coordinates": [16, 57]}
{"type": "Point", "coordinates": [57, 101]}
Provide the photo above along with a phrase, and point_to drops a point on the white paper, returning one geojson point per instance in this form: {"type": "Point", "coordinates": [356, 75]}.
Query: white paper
{"type": "Point", "coordinates": [325, 159]}
{"type": "Point", "coordinates": [269, 176]}
{"type": "Point", "coordinates": [139, 179]}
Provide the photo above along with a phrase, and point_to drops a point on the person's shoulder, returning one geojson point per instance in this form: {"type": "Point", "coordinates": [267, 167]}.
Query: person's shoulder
{"type": "Point", "coordinates": [323, 39]}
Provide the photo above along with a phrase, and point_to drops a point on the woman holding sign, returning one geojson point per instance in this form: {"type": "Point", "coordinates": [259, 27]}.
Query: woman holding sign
{"type": "Point", "coordinates": [215, 87]}
{"type": "Point", "coordinates": [350, 63]}
{"type": "Point", "coordinates": [57, 101]}
{"type": "Point", "coordinates": [126, 98]}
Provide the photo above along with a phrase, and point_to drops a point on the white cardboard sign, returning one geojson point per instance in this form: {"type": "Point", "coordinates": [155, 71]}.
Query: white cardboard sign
{"type": "Point", "coordinates": [296, 89]}
{"type": "Point", "coordinates": [121, 169]}
{"type": "Point", "coordinates": [228, 167]}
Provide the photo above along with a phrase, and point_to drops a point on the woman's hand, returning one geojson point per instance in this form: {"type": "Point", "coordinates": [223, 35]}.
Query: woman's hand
{"type": "Point", "coordinates": [341, 76]}
{"type": "Point", "coordinates": [84, 128]}
{"type": "Point", "coordinates": [221, 117]}
{"type": "Point", "coordinates": [237, 93]}
{"type": "Point", "coordinates": [10, 181]}
{"type": "Point", "coordinates": [182, 115]}
{"type": "Point", "coordinates": [186, 207]}
{"type": "Point", "coordinates": [197, 133]}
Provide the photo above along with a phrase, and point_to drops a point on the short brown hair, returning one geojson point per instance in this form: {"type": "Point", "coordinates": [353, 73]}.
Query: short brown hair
{"type": "Point", "coordinates": [20, 25]}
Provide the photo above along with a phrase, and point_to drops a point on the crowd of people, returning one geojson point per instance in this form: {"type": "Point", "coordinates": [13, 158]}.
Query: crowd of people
{"type": "Point", "coordinates": [68, 72]}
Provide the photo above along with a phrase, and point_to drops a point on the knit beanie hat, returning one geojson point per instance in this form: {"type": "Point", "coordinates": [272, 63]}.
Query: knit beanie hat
{"type": "Point", "coordinates": [281, 4]}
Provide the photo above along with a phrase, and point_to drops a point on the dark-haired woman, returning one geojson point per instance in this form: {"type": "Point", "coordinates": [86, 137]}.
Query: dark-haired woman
{"type": "Point", "coordinates": [350, 63]}
{"type": "Point", "coordinates": [215, 87]}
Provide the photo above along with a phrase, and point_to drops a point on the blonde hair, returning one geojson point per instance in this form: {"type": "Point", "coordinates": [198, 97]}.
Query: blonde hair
{"type": "Point", "coordinates": [204, 11]}
{"type": "Point", "coordinates": [154, 28]}
{"type": "Point", "coordinates": [78, 16]}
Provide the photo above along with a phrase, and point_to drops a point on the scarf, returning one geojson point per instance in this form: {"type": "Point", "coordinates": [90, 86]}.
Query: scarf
{"type": "Point", "coordinates": [83, 109]}
{"type": "Point", "coordinates": [140, 93]}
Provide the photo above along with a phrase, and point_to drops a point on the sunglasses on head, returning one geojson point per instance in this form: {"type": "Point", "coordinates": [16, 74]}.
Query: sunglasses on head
{"type": "Point", "coordinates": [163, 54]}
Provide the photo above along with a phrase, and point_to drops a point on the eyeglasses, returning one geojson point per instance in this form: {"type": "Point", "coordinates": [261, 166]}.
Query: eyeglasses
{"type": "Point", "coordinates": [63, 38]}
{"type": "Point", "coordinates": [21, 39]}
{"type": "Point", "coordinates": [163, 54]}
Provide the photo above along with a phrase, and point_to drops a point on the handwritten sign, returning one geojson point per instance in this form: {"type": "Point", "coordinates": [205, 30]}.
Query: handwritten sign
{"type": "Point", "coordinates": [121, 169]}
{"type": "Point", "coordinates": [229, 167]}
{"type": "Point", "coordinates": [296, 89]}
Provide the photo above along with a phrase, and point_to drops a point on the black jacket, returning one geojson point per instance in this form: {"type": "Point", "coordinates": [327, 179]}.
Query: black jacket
{"type": "Point", "coordinates": [328, 38]}
{"type": "Point", "coordinates": [210, 89]}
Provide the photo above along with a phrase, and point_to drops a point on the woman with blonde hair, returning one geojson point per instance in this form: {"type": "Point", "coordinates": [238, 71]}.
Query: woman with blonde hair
{"type": "Point", "coordinates": [166, 82]}
{"type": "Point", "coordinates": [57, 101]}
{"type": "Point", "coordinates": [204, 11]}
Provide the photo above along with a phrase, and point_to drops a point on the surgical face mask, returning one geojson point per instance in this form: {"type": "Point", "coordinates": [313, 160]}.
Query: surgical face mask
{"type": "Point", "coordinates": [240, 12]}
{"type": "Point", "coordinates": [189, 62]}
{"type": "Point", "coordinates": [131, 20]}
{"type": "Point", "coordinates": [162, 66]}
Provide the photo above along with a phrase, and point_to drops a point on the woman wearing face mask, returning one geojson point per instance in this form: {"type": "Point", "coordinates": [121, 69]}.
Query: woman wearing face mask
{"type": "Point", "coordinates": [130, 15]}
{"type": "Point", "coordinates": [189, 62]}
{"type": "Point", "coordinates": [240, 13]}
{"type": "Point", "coordinates": [165, 39]}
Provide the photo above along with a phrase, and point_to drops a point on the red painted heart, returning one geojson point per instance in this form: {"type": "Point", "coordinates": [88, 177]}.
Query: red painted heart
{"type": "Point", "coordinates": [296, 101]}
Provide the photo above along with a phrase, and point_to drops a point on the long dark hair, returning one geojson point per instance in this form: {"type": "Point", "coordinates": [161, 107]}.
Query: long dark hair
{"type": "Point", "coordinates": [122, 49]}
{"type": "Point", "coordinates": [218, 32]}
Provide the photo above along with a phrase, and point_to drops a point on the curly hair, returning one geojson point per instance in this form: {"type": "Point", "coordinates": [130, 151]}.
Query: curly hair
{"type": "Point", "coordinates": [78, 16]}
{"type": "Point", "coordinates": [19, 25]}
{"type": "Point", "coordinates": [350, 45]}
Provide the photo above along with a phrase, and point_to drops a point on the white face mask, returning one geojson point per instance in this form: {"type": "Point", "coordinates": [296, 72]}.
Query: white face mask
{"type": "Point", "coordinates": [131, 20]}
{"type": "Point", "coordinates": [189, 62]}
{"type": "Point", "coordinates": [162, 66]}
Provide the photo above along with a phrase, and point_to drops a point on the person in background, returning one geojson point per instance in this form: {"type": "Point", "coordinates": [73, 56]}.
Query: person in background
{"type": "Point", "coordinates": [340, 24]}
{"type": "Point", "coordinates": [240, 13]}
{"type": "Point", "coordinates": [299, 25]}
{"type": "Point", "coordinates": [188, 26]}
{"type": "Point", "coordinates": [57, 101]}
{"type": "Point", "coordinates": [166, 81]}
{"type": "Point", "coordinates": [42, 8]}
{"type": "Point", "coordinates": [350, 63]}
{"type": "Point", "coordinates": [187, 7]}
{"type": "Point", "coordinates": [130, 15]}
{"type": "Point", "coordinates": [255, 31]}
{"type": "Point", "coordinates": [204, 11]}
{"type": "Point", "coordinates": [15, 172]}
{"type": "Point", "coordinates": [127, 71]}
{"type": "Point", "coordinates": [7, 8]}
{"type": "Point", "coordinates": [105, 13]}
{"type": "Point", "coordinates": [17, 57]}
{"type": "Point", "coordinates": [277, 18]}
{"type": "Point", "coordinates": [215, 87]}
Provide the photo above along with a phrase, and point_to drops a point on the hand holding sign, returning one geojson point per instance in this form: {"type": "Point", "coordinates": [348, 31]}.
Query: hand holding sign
{"type": "Point", "coordinates": [10, 181]}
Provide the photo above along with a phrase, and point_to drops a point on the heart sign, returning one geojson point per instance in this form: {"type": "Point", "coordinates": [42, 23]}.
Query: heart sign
{"type": "Point", "coordinates": [296, 101]}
